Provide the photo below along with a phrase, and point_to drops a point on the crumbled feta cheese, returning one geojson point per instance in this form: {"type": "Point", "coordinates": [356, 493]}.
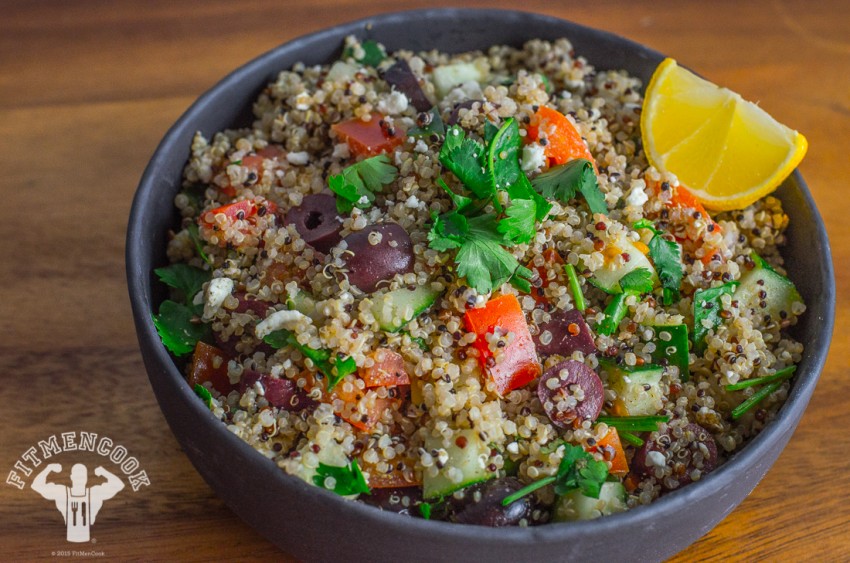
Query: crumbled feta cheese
{"type": "Point", "coordinates": [420, 147]}
{"type": "Point", "coordinates": [341, 150]}
{"type": "Point", "coordinates": [656, 458]}
{"type": "Point", "coordinates": [533, 157]}
{"type": "Point", "coordinates": [289, 320]}
{"type": "Point", "coordinates": [298, 158]}
{"type": "Point", "coordinates": [394, 104]}
{"type": "Point", "coordinates": [637, 197]}
{"type": "Point", "coordinates": [412, 202]}
{"type": "Point", "coordinates": [217, 291]}
{"type": "Point", "coordinates": [469, 90]}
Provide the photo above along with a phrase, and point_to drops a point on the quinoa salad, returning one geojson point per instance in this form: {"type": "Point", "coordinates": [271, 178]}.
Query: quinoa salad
{"type": "Point", "coordinates": [452, 286]}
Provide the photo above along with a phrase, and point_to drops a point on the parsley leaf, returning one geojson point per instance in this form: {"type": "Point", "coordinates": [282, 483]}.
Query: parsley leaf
{"type": "Point", "coordinates": [358, 183]}
{"type": "Point", "coordinates": [578, 470]}
{"type": "Point", "coordinates": [707, 306]}
{"type": "Point", "coordinates": [179, 328]}
{"type": "Point", "coordinates": [519, 224]}
{"type": "Point", "coordinates": [334, 368]}
{"type": "Point", "coordinates": [666, 255]}
{"type": "Point", "coordinates": [373, 53]}
{"type": "Point", "coordinates": [186, 279]}
{"type": "Point", "coordinates": [347, 480]}
{"type": "Point", "coordinates": [204, 394]}
{"type": "Point", "coordinates": [460, 202]}
{"type": "Point", "coordinates": [467, 159]}
{"type": "Point", "coordinates": [425, 510]}
{"type": "Point", "coordinates": [503, 155]}
{"type": "Point", "coordinates": [564, 181]}
{"type": "Point", "coordinates": [638, 281]}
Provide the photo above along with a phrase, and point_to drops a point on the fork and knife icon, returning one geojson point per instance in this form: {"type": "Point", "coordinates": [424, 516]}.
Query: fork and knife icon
{"type": "Point", "coordinates": [75, 505]}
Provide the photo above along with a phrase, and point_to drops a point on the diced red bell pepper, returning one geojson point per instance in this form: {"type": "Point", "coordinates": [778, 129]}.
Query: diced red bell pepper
{"type": "Point", "coordinates": [614, 449]}
{"type": "Point", "coordinates": [369, 138]}
{"type": "Point", "coordinates": [395, 478]}
{"type": "Point", "coordinates": [210, 364]}
{"type": "Point", "coordinates": [563, 141]}
{"type": "Point", "coordinates": [514, 365]}
{"type": "Point", "coordinates": [350, 412]}
{"type": "Point", "coordinates": [387, 371]}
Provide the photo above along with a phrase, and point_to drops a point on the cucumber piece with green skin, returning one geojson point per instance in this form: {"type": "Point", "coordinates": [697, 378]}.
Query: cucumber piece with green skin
{"type": "Point", "coordinates": [671, 344]}
{"type": "Point", "coordinates": [395, 309]}
{"type": "Point", "coordinates": [305, 304]}
{"type": "Point", "coordinates": [464, 466]}
{"type": "Point", "coordinates": [575, 506]}
{"type": "Point", "coordinates": [638, 389]}
{"type": "Point", "coordinates": [607, 278]}
{"type": "Point", "coordinates": [779, 292]}
{"type": "Point", "coordinates": [447, 77]}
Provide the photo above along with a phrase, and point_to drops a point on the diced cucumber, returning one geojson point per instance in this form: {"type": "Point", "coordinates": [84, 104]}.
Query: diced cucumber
{"type": "Point", "coordinates": [395, 309]}
{"type": "Point", "coordinates": [779, 292]}
{"type": "Point", "coordinates": [305, 304]}
{"type": "Point", "coordinates": [447, 77]}
{"type": "Point", "coordinates": [575, 506]}
{"type": "Point", "coordinates": [671, 344]}
{"type": "Point", "coordinates": [465, 465]}
{"type": "Point", "coordinates": [607, 278]}
{"type": "Point", "coordinates": [638, 389]}
{"type": "Point", "coordinates": [331, 454]}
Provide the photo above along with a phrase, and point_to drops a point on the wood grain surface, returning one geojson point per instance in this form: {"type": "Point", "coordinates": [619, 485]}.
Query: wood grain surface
{"type": "Point", "coordinates": [87, 89]}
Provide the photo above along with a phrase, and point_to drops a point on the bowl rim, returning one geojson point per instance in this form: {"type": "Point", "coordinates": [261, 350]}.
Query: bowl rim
{"type": "Point", "coordinates": [140, 285]}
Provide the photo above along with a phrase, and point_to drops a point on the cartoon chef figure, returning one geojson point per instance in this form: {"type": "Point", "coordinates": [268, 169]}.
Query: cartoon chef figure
{"type": "Point", "coordinates": [78, 504]}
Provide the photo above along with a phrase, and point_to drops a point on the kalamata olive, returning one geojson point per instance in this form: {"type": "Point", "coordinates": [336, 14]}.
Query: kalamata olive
{"type": "Point", "coordinates": [567, 333]}
{"type": "Point", "coordinates": [400, 76]}
{"type": "Point", "coordinates": [694, 449]}
{"type": "Point", "coordinates": [317, 221]}
{"type": "Point", "coordinates": [570, 391]}
{"type": "Point", "coordinates": [370, 264]}
{"type": "Point", "coordinates": [251, 304]}
{"type": "Point", "coordinates": [454, 116]}
{"type": "Point", "coordinates": [482, 504]}
{"type": "Point", "coordinates": [401, 500]}
{"type": "Point", "coordinates": [281, 393]}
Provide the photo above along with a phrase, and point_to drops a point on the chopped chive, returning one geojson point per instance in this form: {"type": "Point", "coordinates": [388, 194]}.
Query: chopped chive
{"type": "Point", "coordinates": [204, 394]}
{"type": "Point", "coordinates": [755, 399]}
{"type": "Point", "coordinates": [630, 438]}
{"type": "Point", "coordinates": [528, 489]}
{"type": "Point", "coordinates": [633, 423]}
{"type": "Point", "coordinates": [780, 375]}
{"type": "Point", "coordinates": [578, 297]}
{"type": "Point", "coordinates": [425, 510]}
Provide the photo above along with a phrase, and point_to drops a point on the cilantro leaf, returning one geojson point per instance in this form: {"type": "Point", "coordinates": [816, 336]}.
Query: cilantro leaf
{"type": "Point", "coordinates": [466, 158]}
{"type": "Point", "coordinates": [578, 470]}
{"type": "Point", "coordinates": [448, 231]}
{"type": "Point", "coordinates": [483, 261]}
{"type": "Point", "coordinates": [666, 255]}
{"type": "Point", "coordinates": [435, 126]}
{"type": "Point", "coordinates": [638, 281]}
{"type": "Point", "coordinates": [204, 394]}
{"type": "Point", "coordinates": [195, 235]}
{"type": "Point", "coordinates": [522, 189]}
{"type": "Point", "coordinates": [179, 328]}
{"type": "Point", "coordinates": [564, 181]}
{"type": "Point", "coordinates": [460, 202]}
{"type": "Point", "coordinates": [334, 368]}
{"type": "Point", "coordinates": [490, 131]}
{"type": "Point", "coordinates": [707, 306]}
{"type": "Point", "coordinates": [425, 510]}
{"type": "Point", "coordinates": [645, 224]}
{"type": "Point", "coordinates": [348, 480]}
{"type": "Point", "coordinates": [519, 225]}
{"type": "Point", "coordinates": [503, 155]}
{"type": "Point", "coordinates": [373, 53]}
{"type": "Point", "coordinates": [358, 183]}
{"type": "Point", "coordinates": [186, 279]}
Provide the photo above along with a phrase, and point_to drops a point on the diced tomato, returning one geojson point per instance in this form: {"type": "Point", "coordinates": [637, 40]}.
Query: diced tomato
{"type": "Point", "coordinates": [271, 152]}
{"type": "Point", "coordinates": [387, 371]}
{"type": "Point", "coordinates": [395, 478]}
{"type": "Point", "coordinates": [210, 364]}
{"type": "Point", "coordinates": [563, 141]}
{"type": "Point", "coordinates": [684, 200]}
{"type": "Point", "coordinates": [516, 363]}
{"type": "Point", "coordinates": [369, 138]}
{"type": "Point", "coordinates": [355, 397]}
{"type": "Point", "coordinates": [611, 443]}
{"type": "Point", "coordinates": [550, 256]}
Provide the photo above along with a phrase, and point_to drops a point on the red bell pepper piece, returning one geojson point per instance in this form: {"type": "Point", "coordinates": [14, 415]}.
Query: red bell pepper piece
{"type": "Point", "coordinates": [514, 365]}
{"type": "Point", "coordinates": [563, 141]}
{"type": "Point", "coordinates": [369, 138]}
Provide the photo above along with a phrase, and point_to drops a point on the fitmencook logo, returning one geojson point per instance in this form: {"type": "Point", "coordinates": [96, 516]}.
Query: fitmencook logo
{"type": "Point", "coordinates": [81, 502]}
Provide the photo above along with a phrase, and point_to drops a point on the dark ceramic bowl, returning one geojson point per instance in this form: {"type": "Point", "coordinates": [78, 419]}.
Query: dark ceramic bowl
{"type": "Point", "coordinates": [313, 524]}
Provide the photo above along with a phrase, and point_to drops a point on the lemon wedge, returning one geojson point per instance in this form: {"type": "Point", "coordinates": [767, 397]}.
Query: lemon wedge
{"type": "Point", "coordinates": [727, 151]}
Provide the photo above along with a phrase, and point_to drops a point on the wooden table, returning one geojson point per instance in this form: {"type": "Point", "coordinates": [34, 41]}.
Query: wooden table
{"type": "Point", "coordinates": [87, 89]}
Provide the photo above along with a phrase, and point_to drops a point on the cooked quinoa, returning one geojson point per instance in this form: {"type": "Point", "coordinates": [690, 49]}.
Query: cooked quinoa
{"type": "Point", "coordinates": [403, 434]}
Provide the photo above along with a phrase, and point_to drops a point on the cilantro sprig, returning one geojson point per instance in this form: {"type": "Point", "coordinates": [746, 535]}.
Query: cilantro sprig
{"type": "Point", "coordinates": [334, 366]}
{"type": "Point", "coordinates": [178, 323]}
{"type": "Point", "coordinates": [707, 308]}
{"type": "Point", "coordinates": [577, 470]}
{"type": "Point", "coordinates": [358, 183]}
{"type": "Point", "coordinates": [373, 53]}
{"type": "Point", "coordinates": [204, 394]}
{"type": "Point", "coordinates": [347, 480]}
{"type": "Point", "coordinates": [666, 255]}
{"type": "Point", "coordinates": [565, 181]}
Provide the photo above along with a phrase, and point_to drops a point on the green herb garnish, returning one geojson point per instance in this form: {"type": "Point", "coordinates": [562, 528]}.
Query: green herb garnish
{"type": "Point", "coordinates": [707, 307]}
{"type": "Point", "coordinates": [467, 159]}
{"type": "Point", "coordinates": [666, 255]}
{"type": "Point", "coordinates": [347, 480]}
{"type": "Point", "coordinates": [334, 367]}
{"type": "Point", "coordinates": [373, 53]}
{"type": "Point", "coordinates": [358, 183]}
{"type": "Point", "coordinates": [575, 287]}
{"type": "Point", "coordinates": [638, 281]}
{"type": "Point", "coordinates": [577, 470]}
{"type": "Point", "coordinates": [758, 397]}
{"type": "Point", "coordinates": [630, 438]}
{"type": "Point", "coordinates": [435, 126]}
{"type": "Point", "coordinates": [633, 423]}
{"type": "Point", "coordinates": [615, 312]}
{"type": "Point", "coordinates": [195, 235]}
{"type": "Point", "coordinates": [425, 510]}
{"type": "Point", "coordinates": [781, 375]}
{"type": "Point", "coordinates": [674, 350]}
{"type": "Point", "coordinates": [179, 327]}
{"type": "Point", "coordinates": [204, 394]}
{"type": "Point", "coordinates": [186, 279]}
{"type": "Point", "coordinates": [564, 181]}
